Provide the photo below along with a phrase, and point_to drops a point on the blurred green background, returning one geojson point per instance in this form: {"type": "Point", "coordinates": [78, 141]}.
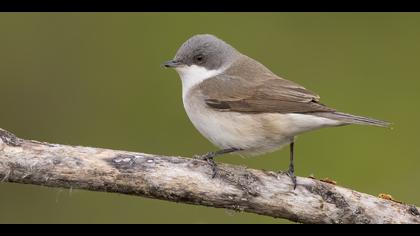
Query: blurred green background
{"type": "Point", "coordinates": [94, 79]}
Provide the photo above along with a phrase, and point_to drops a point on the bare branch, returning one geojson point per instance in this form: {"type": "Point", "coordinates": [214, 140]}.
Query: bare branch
{"type": "Point", "coordinates": [189, 181]}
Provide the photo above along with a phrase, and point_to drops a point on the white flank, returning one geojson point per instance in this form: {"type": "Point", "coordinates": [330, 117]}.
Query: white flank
{"type": "Point", "coordinates": [254, 133]}
{"type": "Point", "coordinates": [193, 75]}
{"type": "Point", "coordinates": [294, 124]}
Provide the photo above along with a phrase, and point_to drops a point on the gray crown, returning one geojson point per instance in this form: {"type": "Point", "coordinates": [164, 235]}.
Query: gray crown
{"type": "Point", "coordinates": [207, 51]}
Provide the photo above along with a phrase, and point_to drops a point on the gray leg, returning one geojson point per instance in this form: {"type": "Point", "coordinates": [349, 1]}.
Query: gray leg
{"type": "Point", "coordinates": [291, 171]}
{"type": "Point", "coordinates": [209, 157]}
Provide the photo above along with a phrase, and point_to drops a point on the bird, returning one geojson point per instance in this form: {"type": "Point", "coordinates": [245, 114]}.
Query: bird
{"type": "Point", "coordinates": [242, 107]}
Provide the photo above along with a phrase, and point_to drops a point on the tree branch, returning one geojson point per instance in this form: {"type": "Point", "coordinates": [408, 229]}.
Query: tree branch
{"type": "Point", "coordinates": [189, 181]}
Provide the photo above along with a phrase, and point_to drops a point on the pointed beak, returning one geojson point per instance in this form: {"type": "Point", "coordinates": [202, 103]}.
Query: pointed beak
{"type": "Point", "coordinates": [172, 64]}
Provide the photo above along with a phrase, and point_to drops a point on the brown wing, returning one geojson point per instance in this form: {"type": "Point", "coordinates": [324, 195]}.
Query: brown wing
{"type": "Point", "coordinates": [273, 95]}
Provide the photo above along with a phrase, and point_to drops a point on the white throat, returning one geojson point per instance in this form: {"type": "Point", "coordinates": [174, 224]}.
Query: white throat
{"type": "Point", "coordinates": [193, 75]}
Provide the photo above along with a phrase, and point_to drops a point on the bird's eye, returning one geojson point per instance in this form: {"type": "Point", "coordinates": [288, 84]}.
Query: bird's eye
{"type": "Point", "coordinates": [199, 58]}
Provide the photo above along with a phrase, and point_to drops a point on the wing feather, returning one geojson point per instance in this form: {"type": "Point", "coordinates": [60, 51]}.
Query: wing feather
{"type": "Point", "coordinates": [270, 95]}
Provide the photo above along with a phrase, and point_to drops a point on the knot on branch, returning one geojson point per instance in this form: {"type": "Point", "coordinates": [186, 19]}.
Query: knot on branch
{"type": "Point", "coordinates": [346, 213]}
{"type": "Point", "coordinates": [9, 138]}
{"type": "Point", "coordinates": [414, 211]}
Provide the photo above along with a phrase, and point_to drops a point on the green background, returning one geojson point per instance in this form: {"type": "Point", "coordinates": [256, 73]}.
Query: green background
{"type": "Point", "coordinates": [94, 79]}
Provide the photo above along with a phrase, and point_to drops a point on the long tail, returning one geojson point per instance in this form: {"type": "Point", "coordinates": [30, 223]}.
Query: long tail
{"type": "Point", "coordinates": [352, 119]}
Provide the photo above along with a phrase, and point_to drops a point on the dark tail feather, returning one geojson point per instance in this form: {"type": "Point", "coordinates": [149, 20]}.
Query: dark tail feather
{"type": "Point", "coordinates": [352, 119]}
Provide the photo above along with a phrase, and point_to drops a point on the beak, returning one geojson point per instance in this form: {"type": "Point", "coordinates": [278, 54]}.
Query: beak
{"type": "Point", "coordinates": [172, 64]}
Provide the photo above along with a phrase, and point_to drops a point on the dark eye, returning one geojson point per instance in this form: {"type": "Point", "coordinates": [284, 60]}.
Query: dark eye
{"type": "Point", "coordinates": [199, 58]}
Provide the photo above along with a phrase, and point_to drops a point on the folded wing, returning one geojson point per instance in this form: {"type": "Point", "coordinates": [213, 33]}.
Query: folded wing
{"type": "Point", "coordinates": [272, 95]}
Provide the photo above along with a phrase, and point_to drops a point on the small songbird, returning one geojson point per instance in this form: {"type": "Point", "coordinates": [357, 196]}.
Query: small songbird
{"type": "Point", "coordinates": [241, 106]}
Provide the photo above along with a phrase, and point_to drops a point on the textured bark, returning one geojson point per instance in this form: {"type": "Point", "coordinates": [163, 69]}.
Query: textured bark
{"type": "Point", "coordinates": [189, 181]}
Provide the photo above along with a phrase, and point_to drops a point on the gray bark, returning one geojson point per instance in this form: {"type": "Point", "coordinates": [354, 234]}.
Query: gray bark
{"type": "Point", "coordinates": [189, 181]}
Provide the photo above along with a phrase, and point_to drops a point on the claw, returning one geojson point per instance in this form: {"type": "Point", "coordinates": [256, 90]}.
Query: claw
{"type": "Point", "coordinates": [292, 176]}
{"type": "Point", "coordinates": [209, 158]}
{"type": "Point", "coordinates": [213, 166]}
{"type": "Point", "coordinates": [205, 157]}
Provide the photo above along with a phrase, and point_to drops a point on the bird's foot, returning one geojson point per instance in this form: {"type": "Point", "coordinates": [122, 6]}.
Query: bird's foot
{"type": "Point", "coordinates": [292, 176]}
{"type": "Point", "coordinates": [209, 158]}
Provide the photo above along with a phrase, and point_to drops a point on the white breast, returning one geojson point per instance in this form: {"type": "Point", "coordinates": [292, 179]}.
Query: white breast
{"type": "Point", "coordinates": [228, 129]}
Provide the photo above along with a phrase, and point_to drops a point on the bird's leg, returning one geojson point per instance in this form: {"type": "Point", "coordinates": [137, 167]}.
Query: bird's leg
{"type": "Point", "coordinates": [209, 157]}
{"type": "Point", "coordinates": [291, 171]}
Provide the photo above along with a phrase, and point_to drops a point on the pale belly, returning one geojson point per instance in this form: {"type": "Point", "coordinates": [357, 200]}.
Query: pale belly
{"type": "Point", "coordinates": [254, 133]}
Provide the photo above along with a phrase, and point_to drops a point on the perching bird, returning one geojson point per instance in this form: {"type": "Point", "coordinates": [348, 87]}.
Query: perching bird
{"type": "Point", "coordinates": [241, 106]}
